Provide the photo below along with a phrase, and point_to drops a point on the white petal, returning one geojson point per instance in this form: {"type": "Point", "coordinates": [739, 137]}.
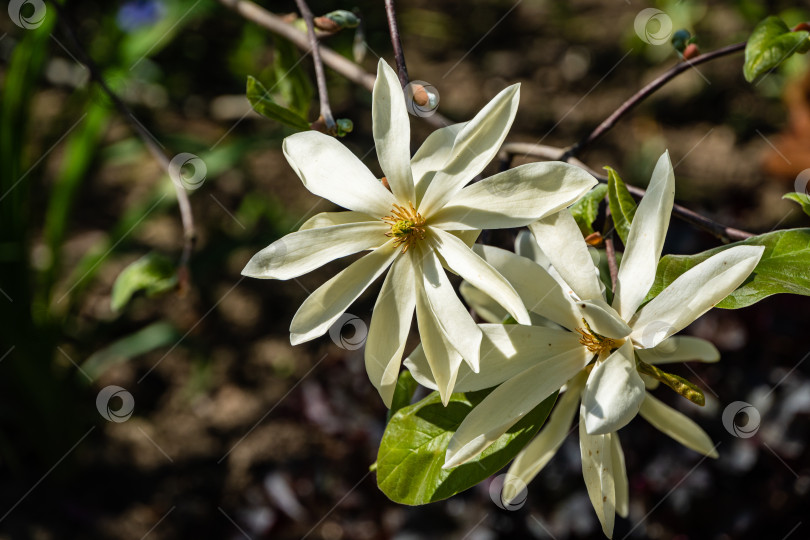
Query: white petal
{"type": "Point", "coordinates": [432, 155]}
{"type": "Point", "coordinates": [444, 360]}
{"type": "Point", "coordinates": [597, 471]}
{"type": "Point", "coordinates": [645, 240]}
{"type": "Point", "coordinates": [509, 402]}
{"type": "Point", "coordinates": [680, 349]}
{"type": "Point", "coordinates": [303, 251]}
{"type": "Point", "coordinates": [515, 197]}
{"type": "Point", "coordinates": [485, 307]}
{"type": "Point", "coordinates": [677, 425]}
{"type": "Point", "coordinates": [329, 219]}
{"type": "Point", "coordinates": [328, 169]}
{"type": "Point", "coordinates": [390, 324]}
{"type": "Point", "coordinates": [462, 260]}
{"type": "Point", "coordinates": [603, 319]}
{"type": "Point", "coordinates": [694, 293]}
{"type": "Point", "coordinates": [392, 132]}
{"type": "Point", "coordinates": [540, 293]}
{"type": "Point", "coordinates": [560, 239]}
{"type": "Point", "coordinates": [452, 318]}
{"type": "Point", "coordinates": [619, 476]}
{"type": "Point", "coordinates": [536, 455]}
{"type": "Point", "coordinates": [507, 350]}
{"type": "Point", "coordinates": [613, 393]}
{"type": "Point", "coordinates": [475, 146]}
{"type": "Point", "coordinates": [325, 306]}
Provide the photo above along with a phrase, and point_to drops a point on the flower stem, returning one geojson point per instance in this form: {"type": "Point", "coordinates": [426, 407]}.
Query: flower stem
{"type": "Point", "coordinates": [320, 77]}
{"type": "Point", "coordinates": [402, 70]}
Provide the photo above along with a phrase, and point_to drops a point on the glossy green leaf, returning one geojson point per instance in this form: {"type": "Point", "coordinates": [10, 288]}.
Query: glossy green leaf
{"type": "Point", "coordinates": [770, 44]}
{"type": "Point", "coordinates": [403, 393]}
{"type": "Point", "coordinates": [263, 104]}
{"type": "Point", "coordinates": [411, 455]}
{"type": "Point", "coordinates": [152, 274]}
{"type": "Point", "coordinates": [159, 334]}
{"type": "Point", "coordinates": [291, 80]}
{"type": "Point", "coordinates": [622, 204]}
{"type": "Point", "coordinates": [802, 198]}
{"type": "Point", "coordinates": [587, 208]}
{"type": "Point", "coordinates": [784, 268]}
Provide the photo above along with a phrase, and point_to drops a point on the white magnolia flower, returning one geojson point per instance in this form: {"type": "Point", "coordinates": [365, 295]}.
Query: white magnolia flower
{"type": "Point", "coordinates": [531, 363]}
{"type": "Point", "coordinates": [409, 230]}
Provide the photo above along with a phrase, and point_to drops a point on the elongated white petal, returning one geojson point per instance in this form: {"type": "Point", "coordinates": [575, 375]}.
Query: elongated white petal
{"type": "Point", "coordinates": [432, 155]}
{"type": "Point", "coordinates": [597, 471]}
{"type": "Point", "coordinates": [620, 482]}
{"type": "Point", "coordinates": [462, 260]}
{"type": "Point", "coordinates": [390, 324]}
{"type": "Point", "coordinates": [561, 241]}
{"type": "Point", "coordinates": [483, 304]}
{"type": "Point", "coordinates": [694, 293]}
{"type": "Point", "coordinates": [536, 455]}
{"type": "Point", "coordinates": [613, 393]}
{"type": "Point", "coordinates": [508, 403]}
{"type": "Point", "coordinates": [303, 251]}
{"type": "Point", "coordinates": [444, 360]}
{"type": "Point", "coordinates": [677, 425]}
{"type": "Point", "coordinates": [645, 240]}
{"type": "Point", "coordinates": [392, 132]}
{"type": "Point", "coordinates": [474, 147]}
{"type": "Point", "coordinates": [539, 291]}
{"type": "Point", "coordinates": [452, 318]}
{"type": "Point", "coordinates": [330, 219]}
{"type": "Point", "coordinates": [526, 246]}
{"type": "Point", "coordinates": [603, 319]}
{"type": "Point", "coordinates": [506, 351]}
{"type": "Point", "coordinates": [329, 301]}
{"type": "Point", "coordinates": [515, 197]}
{"type": "Point", "coordinates": [680, 349]}
{"type": "Point", "coordinates": [328, 169]}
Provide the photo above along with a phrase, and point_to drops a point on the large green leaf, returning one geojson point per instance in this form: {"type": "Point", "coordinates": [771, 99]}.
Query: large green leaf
{"type": "Point", "coordinates": [587, 208]}
{"type": "Point", "coordinates": [784, 268]}
{"type": "Point", "coordinates": [622, 204]}
{"type": "Point", "coordinates": [152, 274]}
{"type": "Point", "coordinates": [409, 463]}
{"type": "Point", "coordinates": [403, 393]}
{"type": "Point", "coordinates": [263, 104]}
{"type": "Point", "coordinates": [770, 44]}
{"type": "Point", "coordinates": [802, 198]}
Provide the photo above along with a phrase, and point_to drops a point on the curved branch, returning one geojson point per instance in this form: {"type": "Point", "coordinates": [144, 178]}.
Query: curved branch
{"type": "Point", "coordinates": [396, 42]}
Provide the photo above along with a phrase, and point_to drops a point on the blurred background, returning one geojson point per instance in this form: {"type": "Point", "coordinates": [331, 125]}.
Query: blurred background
{"type": "Point", "coordinates": [236, 434]}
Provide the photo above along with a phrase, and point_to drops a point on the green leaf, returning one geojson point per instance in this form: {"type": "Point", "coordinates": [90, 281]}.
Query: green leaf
{"type": "Point", "coordinates": [403, 393]}
{"type": "Point", "coordinates": [409, 463]}
{"type": "Point", "coordinates": [784, 268]}
{"type": "Point", "coordinates": [291, 81]}
{"type": "Point", "coordinates": [587, 208]}
{"type": "Point", "coordinates": [622, 204]}
{"type": "Point", "coordinates": [263, 104]}
{"type": "Point", "coordinates": [152, 274]}
{"type": "Point", "coordinates": [770, 44]}
{"type": "Point", "coordinates": [802, 198]}
{"type": "Point", "coordinates": [159, 334]}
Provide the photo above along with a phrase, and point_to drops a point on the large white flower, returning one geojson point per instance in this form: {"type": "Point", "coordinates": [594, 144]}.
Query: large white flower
{"type": "Point", "coordinates": [530, 363]}
{"type": "Point", "coordinates": [408, 229]}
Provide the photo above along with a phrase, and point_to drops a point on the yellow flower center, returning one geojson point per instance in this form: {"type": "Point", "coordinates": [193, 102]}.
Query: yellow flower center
{"type": "Point", "coordinates": [407, 225]}
{"type": "Point", "coordinates": [597, 343]}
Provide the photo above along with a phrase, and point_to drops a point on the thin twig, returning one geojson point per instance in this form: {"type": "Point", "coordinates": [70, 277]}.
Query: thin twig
{"type": "Point", "coordinates": [645, 92]}
{"type": "Point", "coordinates": [723, 232]}
{"type": "Point", "coordinates": [402, 70]}
{"type": "Point", "coordinates": [189, 233]}
{"type": "Point", "coordinates": [320, 77]}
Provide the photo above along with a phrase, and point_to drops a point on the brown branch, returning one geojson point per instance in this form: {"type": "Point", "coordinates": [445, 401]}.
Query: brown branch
{"type": "Point", "coordinates": [723, 232]}
{"type": "Point", "coordinates": [396, 42]}
{"type": "Point", "coordinates": [320, 77]}
{"type": "Point", "coordinates": [644, 93]}
{"type": "Point", "coordinates": [187, 218]}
